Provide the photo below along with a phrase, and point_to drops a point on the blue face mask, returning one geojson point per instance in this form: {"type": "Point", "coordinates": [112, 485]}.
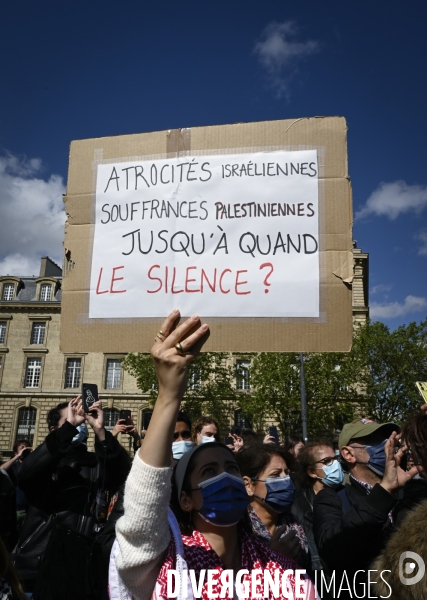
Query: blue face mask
{"type": "Point", "coordinates": [81, 436]}
{"type": "Point", "coordinates": [224, 500]}
{"type": "Point", "coordinates": [180, 448]}
{"type": "Point", "coordinates": [280, 493]}
{"type": "Point", "coordinates": [206, 439]}
{"type": "Point", "coordinates": [377, 458]}
{"type": "Point", "coordinates": [334, 475]}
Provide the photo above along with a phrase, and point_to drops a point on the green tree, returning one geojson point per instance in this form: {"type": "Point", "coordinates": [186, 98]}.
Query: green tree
{"type": "Point", "coordinates": [390, 362]}
{"type": "Point", "coordinates": [211, 384]}
{"type": "Point", "coordinates": [376, 379]}
{"type": "Point", "coordinates": [275, 381]}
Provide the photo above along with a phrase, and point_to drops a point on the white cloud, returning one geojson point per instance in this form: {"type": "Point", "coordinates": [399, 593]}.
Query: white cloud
{"type": "Point", "coordinates": [380, 289]}
{"type": "Point", "coordinates": [412, 304]}
{"type": "Point", "coordinates": [32, 215]}
{"type": "Point", "coordinates": [279, 52]}
{"type": "Point", "coordinates": [393, 199]}
{"type": "Point", "coordinates": [16, 264]}
{"type": "Point", "coordinates": [422, 237]}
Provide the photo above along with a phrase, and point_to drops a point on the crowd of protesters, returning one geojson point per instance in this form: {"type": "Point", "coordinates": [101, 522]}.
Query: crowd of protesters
{"type": "Point", "coordinates": [92, 525]}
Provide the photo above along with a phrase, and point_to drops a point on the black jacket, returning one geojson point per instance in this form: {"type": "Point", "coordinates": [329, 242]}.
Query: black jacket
{"type": "Point", "coordinates": [302, 510]}
{"type": "Point", "coordinates": [61, 484]}
{"type": "Point", "coordinates": [8, 526]}
{"type": "Point", "coordinates": [414, 492]}
{"type": "Point", "coordinates": [350, 540]}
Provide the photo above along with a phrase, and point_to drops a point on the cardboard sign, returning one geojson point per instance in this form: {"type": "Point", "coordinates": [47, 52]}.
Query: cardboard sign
{"type": "Point", "coordinates": [248, 225]}
{"type": "Point", "coordinates": [214, 233]}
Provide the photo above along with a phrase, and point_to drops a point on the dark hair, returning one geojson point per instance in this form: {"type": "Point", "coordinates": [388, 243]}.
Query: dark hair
{"type": "Point", "coordinates": [184, 418]}
{"type": "Point", "coordinates": [414, 433]}
{"type": "Point", "coordinates": [200, 423]}
{"type": "Point", "coordinates": [291, 441]}
{"type": "Point", "coordinates": [306, 458]}
{"type": "Point", "coordinates": [254, 458]}
{"type": "Point", "coordinates": [249, 435]}
{"type": "Point", "coordinates": [54, 415]}
{"type": "Point", "coordinates": [19, 443]}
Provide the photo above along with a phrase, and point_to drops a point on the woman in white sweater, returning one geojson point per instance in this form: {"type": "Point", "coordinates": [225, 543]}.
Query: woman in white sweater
{"type": "Point", "coordinates": [209, 499]}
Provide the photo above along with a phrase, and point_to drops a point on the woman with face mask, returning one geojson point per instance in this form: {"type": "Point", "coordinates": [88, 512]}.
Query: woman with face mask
{"type": "Point", "coordinates": [318, 467]}
{"type": "Point", "coordinates": [208, 495]}
{"type": "Point", "coordinates": [266, 473]}
{"type": "Point", "coordinates": [182, 441]}
{"type": "Point", "coordinates": [205, 429]}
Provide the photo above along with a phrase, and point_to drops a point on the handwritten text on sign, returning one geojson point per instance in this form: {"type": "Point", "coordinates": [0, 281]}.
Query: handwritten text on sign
{"type": "Point", "coordinates": [223, 236]}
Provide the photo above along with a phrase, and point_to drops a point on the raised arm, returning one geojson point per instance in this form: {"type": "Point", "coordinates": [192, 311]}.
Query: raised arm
{"type": "Point", "coordinates": [171, 369]}
{"type": "Point", "coordinates": [143, 533]}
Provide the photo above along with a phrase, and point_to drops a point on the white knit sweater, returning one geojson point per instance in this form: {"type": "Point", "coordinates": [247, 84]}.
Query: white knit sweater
{"type": "Point", "coordinates": [143, 533]}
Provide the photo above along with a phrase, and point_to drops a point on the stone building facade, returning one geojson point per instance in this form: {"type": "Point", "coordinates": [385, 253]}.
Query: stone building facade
{"type": "Point", "coordinates": [35, 375]}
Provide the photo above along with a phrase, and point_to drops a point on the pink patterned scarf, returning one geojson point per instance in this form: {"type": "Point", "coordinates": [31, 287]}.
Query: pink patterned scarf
{"type": "Point", "coordinates": [199, 555]}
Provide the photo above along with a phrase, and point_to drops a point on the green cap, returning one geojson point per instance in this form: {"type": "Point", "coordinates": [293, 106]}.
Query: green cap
{"type": "Point", "coordinates": [363, 427]}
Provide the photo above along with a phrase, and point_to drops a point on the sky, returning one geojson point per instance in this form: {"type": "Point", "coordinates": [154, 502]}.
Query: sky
{"type": "Point", "coordinates": [90, 68]}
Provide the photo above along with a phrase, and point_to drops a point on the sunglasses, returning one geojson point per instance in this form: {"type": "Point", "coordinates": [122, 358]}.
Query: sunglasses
{"type": "Point", "coordinates": [185, 434]}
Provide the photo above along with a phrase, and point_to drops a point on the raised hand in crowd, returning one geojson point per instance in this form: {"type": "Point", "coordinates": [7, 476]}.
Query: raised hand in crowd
{"type": "Point", "coordinates": [75, 414]}
{"type": "Point", "coordinates": [394, 476]}
{"type": "Point", "coordinates": [269, 439]}
{"type": "Point", "coordinates": [171, 369]}
{"type": "Point", "coordinates": [95, 418]}
{"type": "Point", "coordinates": [120, 427]}
{"type": "Point", "coordinates": [237, 442]}
{"type": "Point", "coordinates": [131, 429]}
{"type": "Point", "coordinates": [17, 457]}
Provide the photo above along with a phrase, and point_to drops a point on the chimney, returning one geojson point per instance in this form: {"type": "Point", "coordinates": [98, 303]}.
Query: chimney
{"type": "Point", "coordinates": [48, 268]}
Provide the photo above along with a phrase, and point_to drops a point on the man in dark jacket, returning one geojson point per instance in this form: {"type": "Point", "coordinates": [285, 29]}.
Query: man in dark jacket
{"type": "Point", "coordinates": [66, 488]}
{"type": "Point", "coordinates": [351, 527]}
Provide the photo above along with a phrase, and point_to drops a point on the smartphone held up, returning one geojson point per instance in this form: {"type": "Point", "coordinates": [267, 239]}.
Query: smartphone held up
{"type": "Point", "coordinates": [89, 396]}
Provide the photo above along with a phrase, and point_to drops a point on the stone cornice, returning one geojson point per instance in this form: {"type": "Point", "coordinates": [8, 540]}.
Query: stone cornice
{"type": "Point", "coordinates": [65, 394]}
{"type": "Point", "coordinates": [33, 305]}
{"type": "Point", "coordinates": [39, 317]}
{"type": "Point", "coordinates": [35, 349]}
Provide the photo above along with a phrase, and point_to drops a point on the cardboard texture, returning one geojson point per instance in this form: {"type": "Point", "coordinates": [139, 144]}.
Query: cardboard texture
{"type": "Point", "coordinates": [332, 331]}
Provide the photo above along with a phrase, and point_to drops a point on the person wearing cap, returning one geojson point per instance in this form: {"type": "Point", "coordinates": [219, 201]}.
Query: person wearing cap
{"type": "Point", "coordinates": [203, 532]}
{"type": "Point", "coordinates": [351, 527]}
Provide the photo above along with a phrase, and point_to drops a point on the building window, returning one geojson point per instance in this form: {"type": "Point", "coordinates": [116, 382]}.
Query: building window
{"type": "Point", "coordinates": [3, 326]}
{"type": "Point", "coordinates": [45, 292]}
{"type": "Point", "coordinates": [241, 421]}
{"type": "Point", "coordinates": [32, 375]}
{"type": "Point", "coordinates": [8, 291]}
{"type": "Point", "coordinates": [111, 416]}
{"type": "Point", "coordinates": [72, 372]}
{"type": "Point", "coordinates": [26, 424]}
{"type": "Point", "coordinates": [113, 373]}
{"type": "Point", "coordinates": [38, 333]}
{"type": "Point", "coordinates": [194, 378]}
{"type": "Point", "coordinates": [242, 374]}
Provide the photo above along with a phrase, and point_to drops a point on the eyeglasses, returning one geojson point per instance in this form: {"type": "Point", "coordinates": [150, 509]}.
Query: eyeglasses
{"type": "Point", "coordinates": [185, 434]}
{"type": "Point", "coordinates": [327, 461]}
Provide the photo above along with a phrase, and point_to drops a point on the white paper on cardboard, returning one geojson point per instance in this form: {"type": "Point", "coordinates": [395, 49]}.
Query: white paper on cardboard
{"type": "Point", "coordinates": [223, 236]}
